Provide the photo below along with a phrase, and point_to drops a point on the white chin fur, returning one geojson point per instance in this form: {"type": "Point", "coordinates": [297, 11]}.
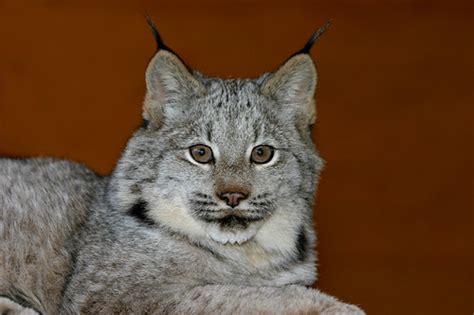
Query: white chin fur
{"type": "Point", "coordinates": [225, 237]}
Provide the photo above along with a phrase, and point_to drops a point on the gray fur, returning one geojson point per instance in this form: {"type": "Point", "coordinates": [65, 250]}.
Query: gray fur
{"type": "Point", "coordinates": [154, 237]}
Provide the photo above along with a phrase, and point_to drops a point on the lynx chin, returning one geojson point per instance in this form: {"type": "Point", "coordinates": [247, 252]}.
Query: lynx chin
{"type": "Point", "coordinates": [208, 210]}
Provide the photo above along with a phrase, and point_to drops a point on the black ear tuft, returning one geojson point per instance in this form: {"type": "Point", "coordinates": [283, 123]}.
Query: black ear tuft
{"type": "Point", "coordinates": [159, 42]}
{"type": "Point", "coordinates": [307, 48]}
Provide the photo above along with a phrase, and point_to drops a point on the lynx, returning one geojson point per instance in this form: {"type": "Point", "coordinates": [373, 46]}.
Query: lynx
{"type": "Point", "coordinates": [208, 210]}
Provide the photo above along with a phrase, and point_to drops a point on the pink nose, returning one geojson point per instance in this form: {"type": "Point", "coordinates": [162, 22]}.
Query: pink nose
{"type": "Point", "coordinates": [232, 198]}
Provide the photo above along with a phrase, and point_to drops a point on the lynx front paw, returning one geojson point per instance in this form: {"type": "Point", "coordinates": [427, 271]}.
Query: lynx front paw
{"type": "Point", "coordinates": [323, 304]}
{"type": "Point", "coordinates": [342, 309]}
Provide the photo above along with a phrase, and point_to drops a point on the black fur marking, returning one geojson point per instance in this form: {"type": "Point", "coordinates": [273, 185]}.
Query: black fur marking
{"type": "Point", "coordinates": [144, 124]}
{"type": "Point", "coordinates": [209, 132]}
{"type": "Point", "coordinates": [307, 48]}
{"type": "Point", "coordinates": [302, 245]}
{"type": "Point", "coordinates": [139, 211]}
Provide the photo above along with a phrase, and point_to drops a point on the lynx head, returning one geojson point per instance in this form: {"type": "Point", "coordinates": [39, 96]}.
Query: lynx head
{"type": "Point", "coordinates": [227, 161]}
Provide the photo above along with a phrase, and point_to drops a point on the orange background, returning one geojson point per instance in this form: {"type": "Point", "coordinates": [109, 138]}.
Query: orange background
{"type": "Point", "coordinates": [395, 108]}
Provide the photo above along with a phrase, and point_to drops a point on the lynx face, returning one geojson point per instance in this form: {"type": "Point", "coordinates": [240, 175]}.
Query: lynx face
{"type": "Point", "coordinates": [223, 160]}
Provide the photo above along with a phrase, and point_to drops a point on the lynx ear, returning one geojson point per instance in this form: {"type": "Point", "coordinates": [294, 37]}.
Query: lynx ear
{"type": "Point", "coordinates": [294, 83]}
{"type": "Point", "coordinates": [169, 84]}
{"type": "Point", "coordinates": [293, 86]}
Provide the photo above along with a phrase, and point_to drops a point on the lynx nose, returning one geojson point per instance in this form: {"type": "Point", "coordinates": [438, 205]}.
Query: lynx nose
{"type": "Point", "coordinates": [232, 198]}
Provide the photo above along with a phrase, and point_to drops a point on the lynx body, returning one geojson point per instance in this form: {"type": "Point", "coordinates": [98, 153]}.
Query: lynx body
{"type": "Point", "coordinates": [209, 209]}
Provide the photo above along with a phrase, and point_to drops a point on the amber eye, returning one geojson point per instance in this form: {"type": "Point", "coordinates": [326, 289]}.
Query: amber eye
{"type": "Point", "coordinates": [262, 154]}
{"type": "Point", "coordinates": [201, 153]}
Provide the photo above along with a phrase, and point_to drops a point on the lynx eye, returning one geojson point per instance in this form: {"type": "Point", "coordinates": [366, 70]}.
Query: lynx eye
{"type": "Point", "coordinates": [262, 154]}
{"type": "Point", "coordinates": [201, 153]}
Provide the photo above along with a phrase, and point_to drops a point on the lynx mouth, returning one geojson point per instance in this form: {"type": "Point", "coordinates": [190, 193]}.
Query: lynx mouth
{"type": "Point", "coordinates": [230, 219]}
{"type": "Point", "coordinates": [234, 229]}
{"type": "Point", "coordinates": [235, 221]}
{"type": "Point", "coordinates": [229, 225]}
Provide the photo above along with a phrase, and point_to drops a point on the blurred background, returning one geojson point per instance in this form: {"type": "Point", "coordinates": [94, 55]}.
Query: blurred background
{"type": "Point", "coordinates": [395, 98]}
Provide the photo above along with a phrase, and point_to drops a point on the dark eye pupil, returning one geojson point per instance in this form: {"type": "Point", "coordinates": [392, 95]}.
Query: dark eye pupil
{"type": "Point", "coordinates": [262, 154]}
{"type": "Point", "coordinates": [201, 153]}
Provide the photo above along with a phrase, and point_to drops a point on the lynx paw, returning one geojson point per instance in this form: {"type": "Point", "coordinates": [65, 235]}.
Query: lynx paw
{"type": "Point", "coordinates": [9, 307]}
